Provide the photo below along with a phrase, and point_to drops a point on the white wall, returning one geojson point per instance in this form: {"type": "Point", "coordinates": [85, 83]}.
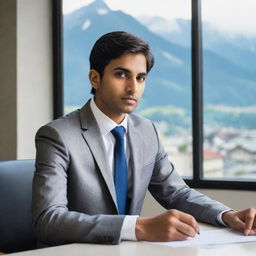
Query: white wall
{"type": "Point", "coordinates": [34, 77]}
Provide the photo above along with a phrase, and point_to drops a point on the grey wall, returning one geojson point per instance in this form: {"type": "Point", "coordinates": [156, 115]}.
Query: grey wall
{"type": "Point", "coordinates": [8, 78]}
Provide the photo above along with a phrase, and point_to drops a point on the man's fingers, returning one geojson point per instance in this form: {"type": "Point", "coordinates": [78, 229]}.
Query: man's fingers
{"type": "Point", "coordinates": [239, 224]}
{"type": "Point", "coordinates": [185, 223]}
{"type": "Point", "coordinates": [190, 221]}
{"type": "Point", "coordinates": [248, 224]}
{"type": "Point", "coordinates": [249, 221]}
{"type": "Point", "coordinates": [185, 229]}
{"type": "Point", "coordinates": [179, 236]}
{"type": "Point", "coordinates": [252, 232]}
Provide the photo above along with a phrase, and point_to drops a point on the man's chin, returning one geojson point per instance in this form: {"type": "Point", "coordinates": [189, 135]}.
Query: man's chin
{"type": "Point", "coordinates": [129, 109]}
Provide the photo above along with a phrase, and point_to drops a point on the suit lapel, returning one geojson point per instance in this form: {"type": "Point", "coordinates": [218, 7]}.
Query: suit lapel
{"type": "Point", "coordinates": [136, 149]}
{"type": "Point", "coordinates": [91, 134]}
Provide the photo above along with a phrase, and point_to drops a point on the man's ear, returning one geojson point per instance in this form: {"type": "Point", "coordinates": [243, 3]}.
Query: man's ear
{"type": "Point", "coordinates": [94, 78]}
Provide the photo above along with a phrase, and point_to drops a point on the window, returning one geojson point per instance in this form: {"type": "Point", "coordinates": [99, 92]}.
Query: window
{"type": "Point", "coordinates": [203, 91]}
{"type": "Point", "coordinates": [167, 97]}
{"type": "Point", "coordinates": [229, 57]}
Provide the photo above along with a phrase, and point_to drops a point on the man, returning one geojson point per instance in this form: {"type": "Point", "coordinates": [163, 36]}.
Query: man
{"type": "Point", "coordinates": [90, 184]}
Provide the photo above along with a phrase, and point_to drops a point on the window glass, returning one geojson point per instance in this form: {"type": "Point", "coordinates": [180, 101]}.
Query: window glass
{"type": "Point", "coordinates": [166, 26]}
{"type": "Point", "coordinates": [229, 56]}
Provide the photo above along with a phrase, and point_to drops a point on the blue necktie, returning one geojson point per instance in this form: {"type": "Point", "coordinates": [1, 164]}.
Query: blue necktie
{"type": "Point", "coordinates": [120, 169]}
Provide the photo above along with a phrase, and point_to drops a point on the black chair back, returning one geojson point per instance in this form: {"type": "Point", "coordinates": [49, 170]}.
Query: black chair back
{"type": "Point", "coordinates": [16, 228]}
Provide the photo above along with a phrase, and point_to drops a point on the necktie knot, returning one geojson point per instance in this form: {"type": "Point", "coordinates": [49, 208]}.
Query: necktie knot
{"type": "Point", "coordinates": [118, 132]}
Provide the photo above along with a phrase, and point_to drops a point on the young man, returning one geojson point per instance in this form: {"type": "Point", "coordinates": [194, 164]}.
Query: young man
{"type": "Point", "coordinates": [91, 177]}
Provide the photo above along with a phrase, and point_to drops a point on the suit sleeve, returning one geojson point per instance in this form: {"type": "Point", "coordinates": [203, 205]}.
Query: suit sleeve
{"type": "Point", "coordinates": [54, 222]}
{"type": "Point", "coordinates": [169, 189]}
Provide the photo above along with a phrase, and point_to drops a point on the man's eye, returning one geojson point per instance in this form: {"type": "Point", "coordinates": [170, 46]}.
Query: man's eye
{"type": "Point", "coordinates": [120, 74]}
{"type": "Point", "coordinates": [141, 78]}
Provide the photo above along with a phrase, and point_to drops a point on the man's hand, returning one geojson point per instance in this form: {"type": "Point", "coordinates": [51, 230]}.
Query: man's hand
{"type": "Point", "coordinates": [169, 226]}
{"type": "Point", "coordinates": [243, 221]}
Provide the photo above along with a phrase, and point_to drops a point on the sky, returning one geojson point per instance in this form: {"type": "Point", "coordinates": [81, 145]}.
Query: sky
{"type": "Point", "coordinates": [233, 16]}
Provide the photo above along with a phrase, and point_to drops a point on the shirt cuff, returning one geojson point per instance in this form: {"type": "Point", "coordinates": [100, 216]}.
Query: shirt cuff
{"type": "Point", "coordinates": [219, 217]}
{"type": "Point", "coordinates": [128, 228]}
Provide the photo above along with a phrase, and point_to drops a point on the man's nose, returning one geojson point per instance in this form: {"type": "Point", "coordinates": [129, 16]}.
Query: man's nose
{"type": "Point", "coordinates": [132, 85]}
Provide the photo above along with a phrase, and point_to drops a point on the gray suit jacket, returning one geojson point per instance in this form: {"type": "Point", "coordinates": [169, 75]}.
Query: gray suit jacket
{"type": "Point", "coordinates": [74, 196]}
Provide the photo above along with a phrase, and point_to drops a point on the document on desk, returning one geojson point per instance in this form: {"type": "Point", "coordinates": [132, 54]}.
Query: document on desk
{"type": "Point", "coordinates": [212, 237]}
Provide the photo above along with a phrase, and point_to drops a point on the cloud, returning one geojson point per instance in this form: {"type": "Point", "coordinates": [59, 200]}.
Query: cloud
{"type": "Point", "coordinates": [231, 16]}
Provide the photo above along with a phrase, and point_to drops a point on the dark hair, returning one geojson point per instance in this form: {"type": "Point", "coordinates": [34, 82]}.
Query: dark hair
{"type": "Point", "coordinates": [113, 45]}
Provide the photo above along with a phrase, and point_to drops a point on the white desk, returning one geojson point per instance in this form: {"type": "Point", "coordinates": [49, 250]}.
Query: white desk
{"type": "Point", "coordinates": [139, 249]}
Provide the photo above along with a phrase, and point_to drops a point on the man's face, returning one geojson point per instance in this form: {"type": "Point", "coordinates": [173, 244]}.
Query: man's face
{"type": "Point", "coordinates": [121, 87]}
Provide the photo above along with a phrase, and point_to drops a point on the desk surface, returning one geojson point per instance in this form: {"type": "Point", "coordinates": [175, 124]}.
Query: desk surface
{"type": "Point", "coordinates": [127, 248]}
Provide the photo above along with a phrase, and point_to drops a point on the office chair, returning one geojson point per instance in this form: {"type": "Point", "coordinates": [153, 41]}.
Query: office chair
{"type": "Point", "coordinates": [16, 229]}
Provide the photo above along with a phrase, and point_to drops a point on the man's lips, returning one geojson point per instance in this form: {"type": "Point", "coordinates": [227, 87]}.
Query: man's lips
{"type": "Point", "coordinates": [130, 100]}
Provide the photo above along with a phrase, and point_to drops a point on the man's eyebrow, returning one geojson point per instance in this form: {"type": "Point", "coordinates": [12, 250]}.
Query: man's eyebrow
{"type": "Point", "coordinates": [123, 69]}
{"type": "Point", "coordinates": [128, 71]}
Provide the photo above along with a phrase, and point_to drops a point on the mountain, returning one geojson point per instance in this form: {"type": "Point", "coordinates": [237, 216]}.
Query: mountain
{"type": "Point", "coordinates": [238, 49]}
{"type": "Point", "coordinates": [87, 24]}
{"type": "Point", "coordinates": [169, 82]}
{"type": "Point", "coordinates": [177, 31]}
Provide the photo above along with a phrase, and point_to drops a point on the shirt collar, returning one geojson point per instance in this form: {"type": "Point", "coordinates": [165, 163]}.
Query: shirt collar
{"type": "Point", "coordinates": [105, 123]}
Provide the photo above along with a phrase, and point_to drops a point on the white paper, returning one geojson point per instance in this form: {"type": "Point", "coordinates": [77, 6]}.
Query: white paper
{"type": "Point", "coordinates": [212, 237]}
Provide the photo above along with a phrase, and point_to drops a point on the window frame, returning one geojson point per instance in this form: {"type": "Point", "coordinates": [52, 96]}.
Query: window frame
{"type": "Point", "coordinates": [197, 180]}
{"type": "Point", "coordinates": [57, 48]}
